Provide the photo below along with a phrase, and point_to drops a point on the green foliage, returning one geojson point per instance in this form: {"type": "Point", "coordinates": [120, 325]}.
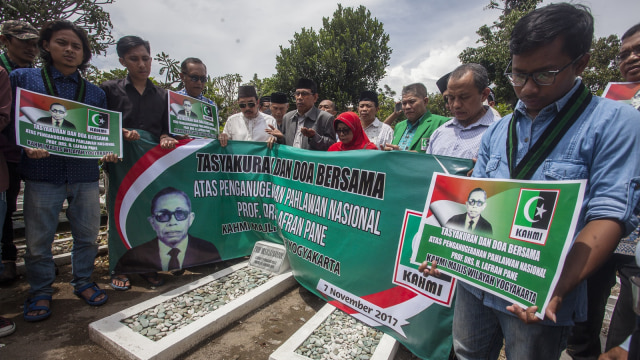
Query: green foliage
{"type": "Point", "coordinates": [347, 55]}
{"type": "Point", "coordinates": [437, 106]}
{"type": "Point", "coordinates": [223, 90]}
{"type": "Point", "coordinates": [493, 53]}
{"type": "Point", "coordinates": [96, 76]}
{"type": "Point", "coordinates": [602, 68]}
{"type": "Point", "coordinates": [87, 14]}
{"type": "Point", "coordinates": [386, 102]}
{"type": "Point", "coordinates": [264, 87]}
{"type": "Point", "coordinates": [170, 68]}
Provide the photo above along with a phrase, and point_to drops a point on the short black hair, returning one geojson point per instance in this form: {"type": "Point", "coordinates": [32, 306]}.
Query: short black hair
{"type": "Point", "coordinates": [126, 43]}
{"type": "Point", "coordinates": [169, 191]}
{"type": "Point", "coordinates": [51, 27]}
{"type": "Point", "coordinates": [480, 75]}
{"type": "Point", "coordinates": [573, 22]}
{"type": "Point", "coordinates": [418, 89]}
{"type": "Point", "coordinates": [190, 60]}
{"type": "Point", "coordinates": [632, 31]}
{"type": "Point", "coordinates": [477, 190]}
{"type": "Point", "coordinates": [54, 104]}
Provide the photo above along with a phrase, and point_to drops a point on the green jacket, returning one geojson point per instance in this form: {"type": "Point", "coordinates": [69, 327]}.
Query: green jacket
{"type": "Point", "coordinates": [428, 124]}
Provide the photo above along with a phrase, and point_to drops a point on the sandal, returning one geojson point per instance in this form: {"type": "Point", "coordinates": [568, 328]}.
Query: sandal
{"type": "Point", "coordinates": [96, 292]}
{"type": "Point", "coordinates": [30, 306]}
{"type": "Point", "coordinates": [122, 279]}
{"type": "Point", "coordinates": [153, 278]}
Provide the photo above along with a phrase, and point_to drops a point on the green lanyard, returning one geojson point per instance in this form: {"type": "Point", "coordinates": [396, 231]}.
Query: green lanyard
{"type": "Point", "coordinates": [549, 138]}
{"type": "Point", "coordinates": [5, 63]}
{"type": "Point", "coordinates": [47, 79]}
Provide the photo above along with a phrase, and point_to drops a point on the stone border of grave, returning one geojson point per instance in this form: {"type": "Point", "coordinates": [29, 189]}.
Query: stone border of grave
{"type": "Point", "coordinates": [386, 349]}
{"type": "Point", "coordinates": [115, 336]}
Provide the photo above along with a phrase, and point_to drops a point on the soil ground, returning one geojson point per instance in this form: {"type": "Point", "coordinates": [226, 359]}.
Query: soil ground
{"type": "Point", "coordinates": [65, 334]}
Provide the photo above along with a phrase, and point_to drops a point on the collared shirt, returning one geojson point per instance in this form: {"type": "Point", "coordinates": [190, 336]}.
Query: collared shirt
{"type": "Point", "coordinates": [199, 97]}
{"type": "Point", "coordinates": [407, 136]}
{"type": "Point", "coordinates": [146, 111]}
{"type": "Point", "coordinates": [379, 133]}
{"type": "Point", "coordinates": [453, 139]}
{"type": "Point", "coordinates": [297, 140]}
{"type": "Point", "coordinates": [58, 169]}
{"type": "Point", "coordinates": [164, 253]}
{"type": "Point", "coordinates": [238, 127]}
{"type": "Point", "coordinates": [601, 147]}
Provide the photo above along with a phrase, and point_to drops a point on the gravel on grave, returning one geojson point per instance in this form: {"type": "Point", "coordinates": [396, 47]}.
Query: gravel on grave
{"type": "Point", "coordinates": [341, 336]}
{"type": "Point", "coordinates": [180, 311]}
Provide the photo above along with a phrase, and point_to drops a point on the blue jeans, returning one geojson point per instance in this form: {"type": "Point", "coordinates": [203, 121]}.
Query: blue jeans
{"type": "Point", "coordinates": [478, 332]}
{"type": "Point", "coordinates": [3, 211]}
{"type": "Point", "coordinates": [42, 205]}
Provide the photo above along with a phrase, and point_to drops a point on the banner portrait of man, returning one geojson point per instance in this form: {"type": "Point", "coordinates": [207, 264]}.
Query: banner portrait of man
{"type": "Point", "coordinates": [173, 248]}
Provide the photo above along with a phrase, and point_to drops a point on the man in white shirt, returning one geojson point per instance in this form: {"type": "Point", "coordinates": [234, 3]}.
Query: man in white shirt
{"type": "Point", "coordinates": [460, 137]}
{"type": "Point", "coordinates": [378, 132]}
{"type": "Point", "coordinates": [249, 124]}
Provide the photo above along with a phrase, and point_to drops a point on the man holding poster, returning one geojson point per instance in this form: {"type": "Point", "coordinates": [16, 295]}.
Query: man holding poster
{"type": "Point", "coordinates": [51, 179]}
{"type": "Point", "coordinates": [558, 131]}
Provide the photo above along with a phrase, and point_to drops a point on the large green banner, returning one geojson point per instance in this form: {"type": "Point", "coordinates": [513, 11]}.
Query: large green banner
{"type": "Point", "coordinates": [66, 127]}
{"type": "Point", "coordinates": [342, 217]}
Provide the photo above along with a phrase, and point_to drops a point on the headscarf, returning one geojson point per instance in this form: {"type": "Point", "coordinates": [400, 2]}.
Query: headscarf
{"type": "Point", "coordinates": [360, 139]}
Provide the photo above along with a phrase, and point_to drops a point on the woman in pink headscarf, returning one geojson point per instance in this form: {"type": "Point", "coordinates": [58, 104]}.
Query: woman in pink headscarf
{"type": "Point", "coordinates": [350, 133]}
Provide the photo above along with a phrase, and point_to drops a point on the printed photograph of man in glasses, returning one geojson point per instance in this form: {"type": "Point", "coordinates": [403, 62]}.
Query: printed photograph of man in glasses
{"type": "Point", "coordinates": [57, 118]}
{"type": "Point", "coordinates": [472, 221]}
{"type": "Point", "coordinates": [173, 248]}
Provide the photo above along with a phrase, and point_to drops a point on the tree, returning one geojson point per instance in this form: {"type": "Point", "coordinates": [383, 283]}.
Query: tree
{"type": "Point", "coordinates": [87, 14]}
{"type": "Point", "coordinates": [347, 55]}
{"type": "Point", "coordinates": [602, 68]}
{"type": "Point", "coordinates": [493, 54]}
{"type": "Point", "coordinates": [223, 90]}
{"type": "Point", "coordinates": [264, 87]}
{"type": "Point", "coordinates": [171, 69]}
{"type": "Point", "coordinates": [96, 76]}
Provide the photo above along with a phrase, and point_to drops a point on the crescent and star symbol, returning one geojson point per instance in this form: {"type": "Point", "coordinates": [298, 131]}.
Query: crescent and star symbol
{"type": "Point", "coordinates": [540, 210]}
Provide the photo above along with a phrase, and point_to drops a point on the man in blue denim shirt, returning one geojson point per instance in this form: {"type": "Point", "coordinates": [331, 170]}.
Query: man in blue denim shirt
{"type": "Point", "coordinates": [50, 179]}
{"type": "Point", "coordinates": [549, 50]}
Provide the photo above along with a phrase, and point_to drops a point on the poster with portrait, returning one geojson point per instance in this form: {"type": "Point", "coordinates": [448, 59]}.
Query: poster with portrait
{"type": "Point", "coordinates": [190, 116]}
{"type": "Point", "coordinates": [65, 127]}
{"type": "Point", "coordinates": [627, 92]}
{"type": "Point", "coordinates": [509, 238]}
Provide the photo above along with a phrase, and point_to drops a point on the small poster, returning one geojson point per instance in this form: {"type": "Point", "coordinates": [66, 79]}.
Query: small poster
{"type": "Point", "coordinates": [190, 116]}
{"type": "Point", "coordinates": [65, 127]}
{"type": "Point", "coordinates": [509, 238]}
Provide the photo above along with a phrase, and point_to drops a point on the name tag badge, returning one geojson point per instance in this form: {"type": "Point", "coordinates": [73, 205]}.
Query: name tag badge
{"type": "Point", "coordinates": [424, 144]}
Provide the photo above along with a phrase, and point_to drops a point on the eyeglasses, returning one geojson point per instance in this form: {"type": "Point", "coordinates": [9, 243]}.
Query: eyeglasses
{"type": "Point", "coordinates": [165, 215]}
{"type": "Point", "coordinates": [542, 78]}
{"type": "Point", "coordinates": [343, 131]}
{"type": "Point", "coordinates": [55, 111]}
{"type": "Point", "coordinates": [475, 202]}
{"type": "Point", "coordinates": [251, 105]}
{"type": "Point", "coordinates": [302, 93]}
{"type": "Point", "coordinates": [196, 78]}
{"type": "Point", "coordinates": [624, 55]}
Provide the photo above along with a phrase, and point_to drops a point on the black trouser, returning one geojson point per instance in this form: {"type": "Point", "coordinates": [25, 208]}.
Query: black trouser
{"type": "Point", "coordinates": [584, 342]}
{"type": "Point", "coordinates": [9, 252]}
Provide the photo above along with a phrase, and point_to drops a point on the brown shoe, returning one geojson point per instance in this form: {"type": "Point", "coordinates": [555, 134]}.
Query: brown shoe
{"type": "Point", "coordinates": [10, 274]}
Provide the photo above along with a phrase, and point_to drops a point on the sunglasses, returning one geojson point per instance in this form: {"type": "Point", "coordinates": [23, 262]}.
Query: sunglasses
{"type": "Point", "coordinates": [251, 105]}
{"type": "Point", "coordinates": [165, 215]}
{"type": "Point", "coordinates": [475, 202]}
{"type": "Point", "coordinates": [343, 131]}
{"type": "Point", "coordinates": [196, 78]}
